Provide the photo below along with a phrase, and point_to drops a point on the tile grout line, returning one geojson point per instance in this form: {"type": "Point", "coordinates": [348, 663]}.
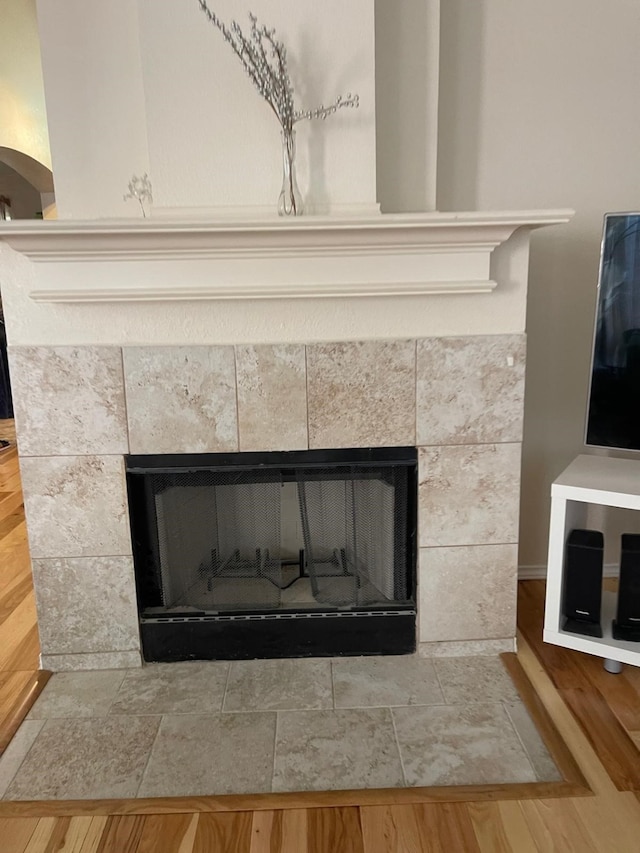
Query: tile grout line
{"type": "Point", "coordinates": [125, 401]}
{"type": "Point", "coordinates": [226, 687]}
{"type": "Point", "coordinates": [116, 693]}
{"type": "Point", "coordinates": [435, 669]}
{"type": "Point", "coordinates": [503, 703]}
{"type": "Point", "coordinates": [237, 395]}
{"type": "Point", "coordinates": [333, 686]}
{"type": "Point", "coordinates": [146, 764]}
{"type": "Point", "coordinates": [275, 747]}
{"type": "Point", "coordinates": [397, 740]}
{"type": "Point", "coordinates": [415, 386]}
{"type": "Point", "coordinates": [306, 393]}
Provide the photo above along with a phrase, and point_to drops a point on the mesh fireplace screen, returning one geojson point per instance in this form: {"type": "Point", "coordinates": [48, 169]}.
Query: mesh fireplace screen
{"type": "Point", "coordinates": [294, 531]}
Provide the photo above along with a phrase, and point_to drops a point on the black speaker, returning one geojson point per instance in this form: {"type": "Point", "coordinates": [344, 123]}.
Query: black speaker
{"type": "Point", "coordinates": [582, 599]}
{"type": "Point", "coordinates": [626, 625]}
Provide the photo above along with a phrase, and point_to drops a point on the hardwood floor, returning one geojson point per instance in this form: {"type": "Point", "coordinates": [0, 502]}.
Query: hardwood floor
{"type": "Point", "coordinates": [20, 681]}
{"type": "Point", "coordinates": [597, 716]}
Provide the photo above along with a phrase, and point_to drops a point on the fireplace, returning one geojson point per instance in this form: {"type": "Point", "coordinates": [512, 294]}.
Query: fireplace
{"type": "Point", "coordinates": [154, 338]}
{"type": "Point", "coordinates": [251, 555]}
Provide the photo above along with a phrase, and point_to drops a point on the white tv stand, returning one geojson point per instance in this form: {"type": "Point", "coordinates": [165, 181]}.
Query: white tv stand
{"type": "Point", "coordinates": [588, 480]}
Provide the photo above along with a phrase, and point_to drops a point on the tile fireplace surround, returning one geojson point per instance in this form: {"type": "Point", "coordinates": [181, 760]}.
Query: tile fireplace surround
{"type": "Point", "coordinates": [182, 337]}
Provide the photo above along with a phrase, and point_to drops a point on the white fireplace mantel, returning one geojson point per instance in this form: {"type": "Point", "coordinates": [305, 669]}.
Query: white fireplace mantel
{"type": "Point", "coordinates": [311, 257]}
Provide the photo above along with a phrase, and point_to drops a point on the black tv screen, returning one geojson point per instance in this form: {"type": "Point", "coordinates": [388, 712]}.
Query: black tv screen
{"type": "Point", "coordinates": [613, 414]}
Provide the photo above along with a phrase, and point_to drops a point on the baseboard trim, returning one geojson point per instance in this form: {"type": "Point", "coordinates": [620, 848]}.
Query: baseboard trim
{"type": "Point", "coordinates": [535, 573]}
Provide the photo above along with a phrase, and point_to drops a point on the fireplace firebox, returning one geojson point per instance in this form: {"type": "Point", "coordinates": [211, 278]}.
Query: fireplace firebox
{"type": "Point", "coordinates": [279, 554]}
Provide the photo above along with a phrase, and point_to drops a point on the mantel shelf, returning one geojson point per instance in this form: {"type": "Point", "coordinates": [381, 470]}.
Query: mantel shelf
{"type": "Point", "coordinates": [387, 255]}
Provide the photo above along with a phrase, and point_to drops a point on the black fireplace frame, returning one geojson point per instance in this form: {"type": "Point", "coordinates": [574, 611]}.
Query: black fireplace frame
{"type": "Point", "coordinates": [263, 633]}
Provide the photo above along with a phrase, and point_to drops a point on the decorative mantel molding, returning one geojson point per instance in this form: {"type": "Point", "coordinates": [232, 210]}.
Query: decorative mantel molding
{"type": "Point", "coordinates": [308, 257]}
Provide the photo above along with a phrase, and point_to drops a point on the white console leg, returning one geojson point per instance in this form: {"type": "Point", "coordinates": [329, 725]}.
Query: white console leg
{"type": "Point", "coordinates": [612, 666]}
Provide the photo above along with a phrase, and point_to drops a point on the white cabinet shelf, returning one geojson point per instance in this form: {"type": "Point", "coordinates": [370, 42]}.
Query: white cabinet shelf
{"type": "Point", "coordinates": [588, 480]}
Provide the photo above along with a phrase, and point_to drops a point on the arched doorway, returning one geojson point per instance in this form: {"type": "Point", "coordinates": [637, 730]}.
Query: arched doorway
{"type": "Point", "coordinates": [26, 187]}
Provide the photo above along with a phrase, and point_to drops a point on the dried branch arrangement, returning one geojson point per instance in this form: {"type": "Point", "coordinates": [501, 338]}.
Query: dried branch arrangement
{"type": "Point", "coordinates": [264, 60]}
{"type": "Point", "coordinates": [140, 190]}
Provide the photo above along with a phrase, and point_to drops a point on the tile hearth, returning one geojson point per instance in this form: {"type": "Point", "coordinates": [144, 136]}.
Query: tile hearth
{"type": "Point", "coordinates": [197, 729]}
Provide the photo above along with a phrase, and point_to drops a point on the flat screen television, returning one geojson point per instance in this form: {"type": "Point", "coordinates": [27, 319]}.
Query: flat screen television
{"type": "Point", "coordinates": [613, 412]}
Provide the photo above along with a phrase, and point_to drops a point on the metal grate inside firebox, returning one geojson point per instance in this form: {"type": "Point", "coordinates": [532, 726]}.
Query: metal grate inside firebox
{"type": "Point", "coordinates": [251, 555]}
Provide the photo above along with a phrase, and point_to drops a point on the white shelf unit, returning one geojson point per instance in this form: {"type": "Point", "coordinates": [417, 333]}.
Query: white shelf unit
{"type": "Point", "coordinates": [588, 480]}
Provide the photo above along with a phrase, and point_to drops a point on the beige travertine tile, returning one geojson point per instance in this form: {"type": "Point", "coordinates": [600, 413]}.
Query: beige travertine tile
{"type": "Point", "coordinates": [94, 660]}
{"type": "Point", "coordinates": [470, 389]}
{"type": "Point", "coordinates": [543, 764]}
{"type": "Point", "coordinates": [469, 495]}
{"type": "Point", "coordinates": [76, 506]}
{"type": "Point", "coordinates": [86, 604]}
{"type": "Point", "coordinates": [213, 754]}
{"type": "Point", "coordinates": [361, 394]}
{"type": "Point", "coordinates": [16, 751]}
{"type": "Point", "coordinates": [476, 679]}
{"type": "Point", "coordinates": [77, 694]}
{"type": "Point", "coordinates": [181, 399]}
{"type": "Point", "coordinates": [335, 750]}
{"type": "Point", "coordinates": [272, 397]}
{"type": "Point", "coordinates": [472, 745]}
{"type": "Point", "coordinates": [385, 681]}
{"type": "Point", "coordinates": [192, 687]}
{"type": "Point", "coordinates": [278, 685]}
{"type": "Point", "coordinates": [467, 592]}
{"type": "Point", "coordinates": [86, 759]}
{"type": "Point", "coordinates": [69, 400]}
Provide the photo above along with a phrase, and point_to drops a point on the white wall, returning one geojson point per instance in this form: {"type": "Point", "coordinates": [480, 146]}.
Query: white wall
{"type": "Point", "coordinates": [213, 140]}
{"type": "Point", "coordinates": [539, 108]}
{"type": "Point", "coordinates": [151, 86]}
{"type": "Point", "coordinates": [95, 104]}
{"type": "Point", "coordinates": [407, 68]}
{"type": "Point", "coordinates": [23, 124]}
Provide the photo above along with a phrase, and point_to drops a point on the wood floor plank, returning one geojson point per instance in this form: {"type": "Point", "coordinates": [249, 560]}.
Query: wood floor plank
{"type": "Point", "coordinates": [15, 535]}
{"type": "Point", "coordinates": [280, 831]}
{"type": "Point", "coordinates": [622, 694]}
{"type": "Point", "coordinates": [613, 745]}
{"type": "Point", "coordinates": [223, 833]}
{"type": "Point", "coordinates": [613, 823]}
{"type": "Point", "coordinates": [168, 834]}
{"type": "Point", "coordinates": [266, 832]}
{"type": "Point", "coordinates": [48, 835]}
{"type": "Point", "coordinates": [445, 827]}
{"type": "Point", "coordinates": [294, 833]}
{"type": "Point", "coordinates": [15, 563]}
{"type": "Point", "coordinates": [329, 830]}
{"type": "Point", "coordinates": [94, 835]}
{"type": "Point", "coordinates": [74, 837]}
{"type": "Point", "coordinates": [14, 594]}
{"type": "Point", "coordinates": [9, 523]}
{"type": "Point", "coordinates": [490, 832]}
{"type": "Point", "coordinates": [391, 829]}
{"type": "Point", "coordinates": [16, 832]}
{"type": "Point", "coordinates": [15, 629]}
{"type": "Point", "coordinates": [559, 663]}
{"type": "Point", "coordinates": [26, 654]}
{"type": "Point", "coordinates": [516, 827]}
{"type": "Point", "coordinates": [121, 834]}
{"type": "Point", "coordinates": [9, 502]}
{"type": "Point", "coordinates": [556, 827]}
